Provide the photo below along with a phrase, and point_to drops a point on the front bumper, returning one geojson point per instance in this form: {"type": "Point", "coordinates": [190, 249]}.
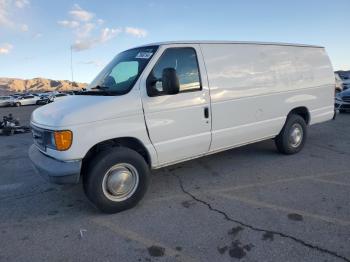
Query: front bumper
{"type": "Point", "coordinates": [58, 172]}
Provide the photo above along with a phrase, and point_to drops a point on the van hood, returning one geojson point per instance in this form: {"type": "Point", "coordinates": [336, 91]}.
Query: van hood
{"type": "Point", "coordinates": [81, 109]}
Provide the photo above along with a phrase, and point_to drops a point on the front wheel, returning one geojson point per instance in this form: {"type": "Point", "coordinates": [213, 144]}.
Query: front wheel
{"type": "Point", "coordinates": [17, 104]}
{"type": "Point", "coordinates": [116, 179]}
{"type": "Point", "coordinates": [292, 137]}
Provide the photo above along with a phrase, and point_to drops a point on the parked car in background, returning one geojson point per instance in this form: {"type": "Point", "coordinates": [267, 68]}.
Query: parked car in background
{"type": "Point", "coordinates": [342, 101]}
{"type": "Point", "coordinates": [16, 95]}
{"type": "Point", "coordinates": [346, 84]}
{"type": "Point", "coordinates": [338, 83]}
{"type": "Point", "coordinates": [49, 98]}
{"type": "Point", "coordinates": [68, 92]}
{"type": "Point", "coordinates": [26, 100]}
{"type": "Point", "coordinates": [6, 101]}
{"type": "Point", "coordinates": [45, 98]}
{"type": "Point", "coordinates": [345, 78]}
{"type": "Point", "coordinates": [58, 97]}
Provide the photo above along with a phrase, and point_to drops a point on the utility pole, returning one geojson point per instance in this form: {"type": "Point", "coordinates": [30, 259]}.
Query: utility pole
{"type": "Point", "coordinates": [71, 62]}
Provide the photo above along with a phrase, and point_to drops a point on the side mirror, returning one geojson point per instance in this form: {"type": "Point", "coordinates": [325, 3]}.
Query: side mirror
{"type": "Point", "coordinates": [170, 81]}
{"type": "Point", "coordinates": [150, 85]}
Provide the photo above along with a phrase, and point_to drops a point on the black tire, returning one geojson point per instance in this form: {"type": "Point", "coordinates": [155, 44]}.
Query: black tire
{"type": "Point", "coordinates": [17, 104]}
{"type": "Point", "coordinates": [97, 170]}
{"type": "Point", "coordinates": [8, 131]}
{"type": "Point", "coordinates": [342, 111]}
{"type": "Point", "coordinates": [283, 140]}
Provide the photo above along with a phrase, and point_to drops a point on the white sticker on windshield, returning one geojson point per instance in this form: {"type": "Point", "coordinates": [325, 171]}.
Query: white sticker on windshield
{"type": "Point", "coordinates": [144, 55]}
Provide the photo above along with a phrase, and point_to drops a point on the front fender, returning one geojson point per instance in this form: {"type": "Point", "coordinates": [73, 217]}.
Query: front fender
{"type": "Point", "coordinates": [86, 136]}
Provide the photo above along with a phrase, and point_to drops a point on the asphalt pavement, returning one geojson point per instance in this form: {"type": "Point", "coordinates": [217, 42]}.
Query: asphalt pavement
{"type": "Point", "coordinates": [245, 204]}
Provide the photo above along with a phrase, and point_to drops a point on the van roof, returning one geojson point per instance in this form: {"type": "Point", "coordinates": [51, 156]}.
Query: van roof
{"type": "Point", "coordinates": [230, 42]}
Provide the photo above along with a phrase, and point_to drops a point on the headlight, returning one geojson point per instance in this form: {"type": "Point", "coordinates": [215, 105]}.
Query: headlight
{"type": "Point", "coordinates": [59, 140]}
{"type": "Point", "coordinates": [63, 139]}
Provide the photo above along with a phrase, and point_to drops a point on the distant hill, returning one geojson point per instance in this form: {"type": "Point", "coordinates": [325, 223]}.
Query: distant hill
{"type": "Point", "coordinates": [12, 85]}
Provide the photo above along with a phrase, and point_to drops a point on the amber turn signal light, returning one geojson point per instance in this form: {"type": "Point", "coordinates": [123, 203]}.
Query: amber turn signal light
{"type": "Point", "coordinates": [63, 139]}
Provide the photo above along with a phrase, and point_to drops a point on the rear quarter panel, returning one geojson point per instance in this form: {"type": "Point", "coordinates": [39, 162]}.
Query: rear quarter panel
{"type": "Point", "coordinates": [254, 87]}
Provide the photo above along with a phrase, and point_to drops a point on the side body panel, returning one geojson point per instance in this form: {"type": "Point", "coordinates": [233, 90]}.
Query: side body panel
{"type": "Point", "coordinates": [248, 88]}
{"type": "Point", "coordinates": [254, 87]}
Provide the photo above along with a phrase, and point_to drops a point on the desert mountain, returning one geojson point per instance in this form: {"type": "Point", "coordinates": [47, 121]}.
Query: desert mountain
{"type": "Point", "coordinates": [11, 85]}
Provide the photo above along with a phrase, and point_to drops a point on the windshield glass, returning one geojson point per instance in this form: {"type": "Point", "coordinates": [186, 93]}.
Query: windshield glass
{"type": "Point", "coordinates": [120, 75]}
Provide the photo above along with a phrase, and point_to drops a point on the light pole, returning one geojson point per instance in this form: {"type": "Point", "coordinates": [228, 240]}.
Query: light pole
{"type": "Point", "coordinates": [71, 62]}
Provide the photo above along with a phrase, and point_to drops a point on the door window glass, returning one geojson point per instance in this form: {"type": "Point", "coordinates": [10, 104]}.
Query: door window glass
{"type": "Point", "coordinates": [184, 61]}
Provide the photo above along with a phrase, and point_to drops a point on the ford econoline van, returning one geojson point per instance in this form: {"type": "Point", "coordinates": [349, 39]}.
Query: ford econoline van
{"type": "Point", "coordinates": [165, 103]}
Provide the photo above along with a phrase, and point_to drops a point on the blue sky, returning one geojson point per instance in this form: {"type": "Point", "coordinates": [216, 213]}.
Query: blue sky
{"type": "Point", "coordinates": [36, 35]}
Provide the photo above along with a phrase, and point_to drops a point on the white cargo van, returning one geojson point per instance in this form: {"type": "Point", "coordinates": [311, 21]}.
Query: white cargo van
{"type": "Point", "coordinates": [166, 103]}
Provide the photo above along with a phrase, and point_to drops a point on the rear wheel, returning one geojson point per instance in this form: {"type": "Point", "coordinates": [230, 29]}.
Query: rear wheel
{"type": "Point", "coordinates": [292, 137]}
{"type": "Point", "coordinates": [116, 179]}
{"type": "Point", "coordinates": [17, 104]}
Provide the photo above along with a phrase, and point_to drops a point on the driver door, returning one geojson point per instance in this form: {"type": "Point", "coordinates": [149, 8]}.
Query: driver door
{"type": "Point", "coordinates": [179, 125]}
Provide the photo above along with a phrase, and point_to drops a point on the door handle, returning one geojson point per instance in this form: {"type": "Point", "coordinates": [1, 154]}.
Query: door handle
{"type": "Point", "coordinates": [206, 112]}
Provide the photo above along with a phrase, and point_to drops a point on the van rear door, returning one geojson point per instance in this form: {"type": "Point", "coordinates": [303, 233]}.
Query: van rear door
{"type": "Point", "coordinates": [179, 125]}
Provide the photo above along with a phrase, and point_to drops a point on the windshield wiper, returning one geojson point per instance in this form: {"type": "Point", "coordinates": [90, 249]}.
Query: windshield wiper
{"type": "Point", "coordinates": [98, 87]}
{"type": "Point", "coordinates": [99, 90]}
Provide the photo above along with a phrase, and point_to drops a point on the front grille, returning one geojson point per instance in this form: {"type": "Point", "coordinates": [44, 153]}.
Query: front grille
{"type": "Point", "coordinates": [39, 137]}
{"type": "Point", "coordinates": [346, 99]}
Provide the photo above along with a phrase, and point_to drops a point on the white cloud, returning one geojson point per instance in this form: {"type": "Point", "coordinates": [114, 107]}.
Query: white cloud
{"type": "Point", "coordinates": [24, 28]}
{"type": "Point", "coordinates": [21, 3]}
{"type": "Point", "coordinates": [80, 14]}
{"type": "Point", "coordinates": [81, 30]}
{"type": "Point", "coordinates": [100, 21]}
{"type": "Point", "coordinates": [4, 15]}
{"type": "Point", "coordinates": [7, 8]}
{"type": "Point", "coordinates": [68, 23]}
{"type": "Point", "coordinates": [37, 35]}
{"type": "Point", "coordinates": [138, 32]}
{"type": "Point", "coordinates": [5, 48]}
{"type": "Point", "coordinates": [109, 33]}
{"type": "Point", "coordinates": [87, 43]}
{"type": "Point", "coordinates": [80, 45]}
{"type": "Point", "coordinates": [85, 30]}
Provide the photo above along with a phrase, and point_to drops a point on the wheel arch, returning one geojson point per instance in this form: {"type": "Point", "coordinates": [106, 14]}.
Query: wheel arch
{"type": "Point", "coordinates": [301, 111]}
{"type": "Point", "coordinates": [128, 142]}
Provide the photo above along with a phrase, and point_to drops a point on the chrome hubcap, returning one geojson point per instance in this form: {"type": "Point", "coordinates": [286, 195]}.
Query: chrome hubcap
{"type": "Point", "coordinates": [296, 135]}
{"type": "Point", "coordinates": [120, 182]}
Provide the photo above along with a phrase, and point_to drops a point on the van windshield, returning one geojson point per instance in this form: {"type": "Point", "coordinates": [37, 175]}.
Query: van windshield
{"type": "Point", "coordinates": [121, 74]}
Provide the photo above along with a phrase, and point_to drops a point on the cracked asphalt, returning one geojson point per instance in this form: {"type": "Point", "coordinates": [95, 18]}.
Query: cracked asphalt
{"type": "Point", "coordinates": [245, 204]}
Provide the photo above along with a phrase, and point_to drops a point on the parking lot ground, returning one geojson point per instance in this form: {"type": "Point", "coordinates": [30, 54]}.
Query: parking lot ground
{"type": "Point", "coordinates": [245, 204]}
